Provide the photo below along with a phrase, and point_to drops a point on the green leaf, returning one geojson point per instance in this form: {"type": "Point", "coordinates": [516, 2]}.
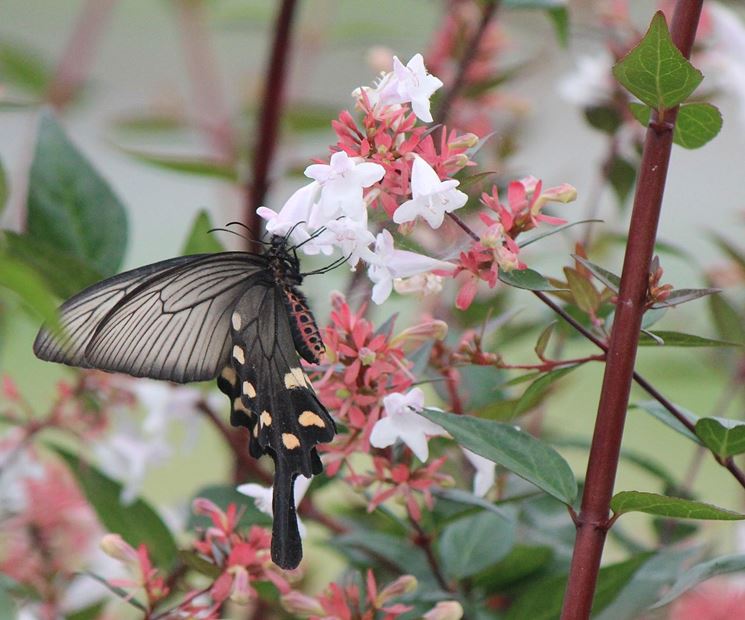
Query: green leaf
{"type": "Point", "coordinates": [543, 600]}
{"type": "Point", "coordinates": [679, 339]}
{"type": "Point", "coordinates": [543, 339]}
{"type": "Point", "coordinates": [200, 240]}
{"type": "Point", "coordinates": [555, 9]}
{"type": "Point", "coordinates": [474, 179]}
{"type": "Point", "coordinates": [91, 612]}
{"type": "Point", "coordinates": [526, 279]}
{"type": "Point", "coordinates": [30, 288]}
{"type": "Point", "coordinates": [723, 437]}
{"type": "Point", "coordinates": [395, 550]}
{"type": "Point", "coordinates": [641, 112]}
{"type": "Point", "coordinates": [622, 177]}
{"type": "Point", "coordinates": [535, 392]}
{"type": "Point", "coordinates": [729, 323]}
{"type": "Point", "coordinates": [4, 189]}
{"type": "Point", "coordinates": [64, 274]}
{"type": "Point", "coordinates": [585, 297]}
{"type": "Point", "coordinates": [304, 116]}
{"type": "Point", "coordinates": [684, 295]}
{"type": "Point", "coordinates": [665, 506]}
{"type": "Point", "coordinates": [70, 206]}
{"type": "Point", "coordinates": [200, 166]}
{"type": "Point", "coordinates": [150, 123]}
{"type": "Point", "coordinates": [644, 587]}
{"type": "Point", "coordinates": [475, 542]}
{"type": "Point", "coordinates": [697, 124]}
{"type": "Point", "coordinates": [604, 118]}
{"type": "Point", "coordinates": [553, 231]}
{"type": "Point", "coordinates": [610, 279]}
{"type": "Point", "coordinates": [521, 562]}
{"type": "Point", "coordinates": [656, 410]}
{"type": "Point", "coordinates": [730, 250]}
{"type": "Point", "coordinates": [521, 453]}
{"type": "Point", "coordinates": [196, 562]}
{"type": "Point", "coordinates": [464, 497]}
{"type": "Point", "coordinates": [655, 71]}
{"type": "Point", "coordinates": [24, 67]}
{"type": "Point", "coordinates": [701, 572]}
{"type": "Point", "coordinates": [137, 523]}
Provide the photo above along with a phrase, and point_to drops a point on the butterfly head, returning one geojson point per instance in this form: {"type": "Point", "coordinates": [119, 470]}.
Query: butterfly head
{"type": "Point", "coordinates": [284, 260]}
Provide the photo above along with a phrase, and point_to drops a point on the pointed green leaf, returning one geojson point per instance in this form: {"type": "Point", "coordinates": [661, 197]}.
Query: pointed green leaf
{"type": "Point", "coordinates": [701, 572]}
{"type": "Point", "coordinates": [622, 177]}
{"type": "Point", "coordinates": [729, 323]}
{"type": "Point", "coordinates": [4, 189]}
{"type": "Point", "coordinates": [730, 250]}
{"type": "Point", "coordinates": [187, 164]}
{"type": "Point", "coordinates": [70, 206]}
{"type": "Point", "coordinates": [200, 240]}
{"type": "Point", "coordinates": [24, 67]}
{"type": "Point", "coordinates": [552, 231]}
{"type": "Point", "coordinates": [684, 295]}
{"type": "Point", "coordinates": [525, 278]}
{"type": "Point", "coordinates": [30, 288]}
{"type": "Point", "coordinates": [655, 70]}
{"type": "Point", "coordinates": [641, 112]}
{"type": "Point", "coordinates": [679, 339]}
{"type": "Point", "coordinates": [656, 410]}
{"type": "Point", "coordinates": [697, 124]}
{"type": "Point", "coordinates": [673, 507]}
{"type": "Point", "coordinates": [610, 279]}
{"type": "Point", "coordinates": [604, 118]}
{"type": "Point", "coordinates": [723, 437]}
{"type": "Point", "coordinates": [307, 116]}
{"type": "Point", "coordinates": [136, 523]}
{"type": "Point", "coordinates": [514, 449]}
{"type": "Point", "coordinates": [543, 339]}
{"type": "Point", "coordinates": [586, 298]}
{"type": "Point", "coordinates": [475, 542]}
{"type": "Point", "coordinates": [534, 393]}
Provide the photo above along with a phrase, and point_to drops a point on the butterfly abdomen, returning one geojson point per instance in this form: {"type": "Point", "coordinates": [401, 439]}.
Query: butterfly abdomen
{"type": "Point", "coordinates": [305, 333]}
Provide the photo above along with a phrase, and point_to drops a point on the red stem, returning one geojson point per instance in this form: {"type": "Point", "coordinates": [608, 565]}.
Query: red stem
{"type": "Point", "coordinates": [72, 70]}
{"type": "Point", "coordinates": [271, 111]}
{"type": "Point", "coordinates": [593, 519]}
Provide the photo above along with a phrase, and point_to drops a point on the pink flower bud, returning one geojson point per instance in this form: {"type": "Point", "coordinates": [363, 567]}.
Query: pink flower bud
{"type": "Point", "coordinates": [301, 604]}
{"type": "Point", "coordinates": [114, 546]}
{"type": "Point", "coordinates": [241, 592]}
{"type": "Point", "coordinates": [466, 141]}
{"type": "Point", "coordinates": [399, 587]}
{"type": "Point", "coordinates": [561, 193]}
{"type": "Point", "coordinates": [413, 337]}
{"type": "Point", "coordinates": [445, 610]}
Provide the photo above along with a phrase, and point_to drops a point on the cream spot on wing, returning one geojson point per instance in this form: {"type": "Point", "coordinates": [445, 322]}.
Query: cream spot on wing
{"type": "Point", "coordinates": [308, 418]}
{"type": "Point", "coordinates": [248, 389]}
{"type": "Point", "coordinates": [239, 406]}
{"type": "Point", "coordinates": [236, 321]}
{"type": "Point", "coordinates": [294, 379]}
{"type": "Point", "coordinates": [291, 441]}
{"type": "Point", "coordinates": [238, 354]}
{"type": "Point", "coordinates": [266, 418]}
{"type": "Point", "coordinates": [229, 375]}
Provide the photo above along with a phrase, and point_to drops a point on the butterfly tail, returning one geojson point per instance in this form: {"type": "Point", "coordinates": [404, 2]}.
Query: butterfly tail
{"type": "Point", "coordinates": [287, 549]}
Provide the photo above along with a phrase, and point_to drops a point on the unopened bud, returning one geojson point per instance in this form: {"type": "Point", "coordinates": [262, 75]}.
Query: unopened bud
{"type": "Point", "coordinates": [413, 337]}
{"type": "Point", "coordinates": [457, 161]}
{"type": "Point", "coordinates": [561, 193]}
{"type": "Point", "coordinates": [114, 546]}
{"type": "Point", "coordinates": [367, 356]}
{"type": "Point", "coordinates": [466, 141]}
{"type": "Point", "coordinates": [300, 604]}
{"type": "Point", "coordinates": [399, 587]}
{"type": "Point", "coordinates": [445, 610]}
{"type": "Point", "coordinates": [241, 592]}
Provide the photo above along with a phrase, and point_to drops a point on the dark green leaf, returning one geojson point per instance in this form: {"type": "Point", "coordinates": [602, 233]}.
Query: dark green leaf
{"type": "Point", "coordinates": [585, 297]}
{"type": "Point", "coordinates": [655, 70]}
{"type": "Point", "coordinates": [556, 11]}
{"type": "Point", "coordinates": [200, 240]}
{"type": "Point", "coordinates": [678, 339]}
{"type": "Point", "coordinates": [474, 180]}
{"type": "Point", "coordinates": [392, 549]}
{"type": "Point", "coordinates": [464, 497]}
{"type": "Point", "coordinates": [684, 295]}
{"type": "Point", "coordinates": [525, 278]}
{"type": "Point", "coordinates": [610, 279]}
{"type": "Point", "coordinates": [544, 598]}
{"type": "Point", "coordinates": [304, 116]}
{"type": "Point", "coordinates": [522, 562]}
{"type": "Point", "coordinates": [655, 409]}
{"type": "Point", "coordinates": [723, 437]}
{"type": "Point", "coordinates": [644, 587]}
{"type": "Point", "coordinates": [641, 112]}
{"type": "Point", "coordinates": [604, 118]}
{"type": "Point", "coordinates": [535, 392]}
{"type": "Point", "coordinates": [198, 563]}
{"type": "Point", "coordinates": [24, 68]}
{"type": "Point", "coordinates": [149, 123]}
{"type": "Point", "coordinates": [70, 206]}
{"type": "Point", "coordinates": [136, 523]}
{"type": "Point", "coordinates": [475, 542]}
{"type": "Point", "coordinates": [622, 177]}
{"type": "Point", "coordinates": [120, 592]}
{"type": "Point", "coordinates": [701, 572]}
{"type": "Point", "coordinates": [730, 325]}
{"type": "Point", "coordinates": [30, 288]}
{"type": "Point", "coordinates": [64, 274]}
{"type": "Point", "coordinates": [697, 124]}
{"type": "Point", "coordinates": [730, 250]}
{"type": "Point", "coordinates": [91, 612]}
{"type": "Point", "coordinates": [499, 410]}
{"type": "Point", "coordinates": [665, 506]}
{"type": "Point", "coordinates": [515, 450]}
{"type": "Point", "coordinates": [187, 164]}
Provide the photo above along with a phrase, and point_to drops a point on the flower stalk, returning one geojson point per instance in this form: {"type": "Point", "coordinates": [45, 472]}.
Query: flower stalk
{"type": "Point", "coordinates": [593, 519]}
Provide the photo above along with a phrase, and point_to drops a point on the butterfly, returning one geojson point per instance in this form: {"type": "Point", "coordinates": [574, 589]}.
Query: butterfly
{"type": "Point", "coordinates": [234, 316]}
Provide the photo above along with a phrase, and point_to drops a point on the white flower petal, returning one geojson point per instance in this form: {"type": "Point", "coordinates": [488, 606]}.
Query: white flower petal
{"type": "Point", "coordinates": [424, 180]}
{"type": "Point", "coordinates": [383, 434]}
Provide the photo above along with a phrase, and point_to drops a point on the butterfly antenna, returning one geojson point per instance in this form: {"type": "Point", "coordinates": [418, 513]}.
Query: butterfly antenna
{"type": "Point", "coordinates": [252, 237]}
{"type": "Point", "coordinates": [314, 235]}
{"type": "Point", "coordinates": [338, 262]}
{"type": "Point", "coordinates": [232, 232]}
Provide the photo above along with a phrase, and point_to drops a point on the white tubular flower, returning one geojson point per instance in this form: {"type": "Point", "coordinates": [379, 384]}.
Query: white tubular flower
{"type": "Point", "coordinates": [295, 214]}
{"type": "Point", "coordinates": [390, 263]}
{"type": "Point", "coordinates": [262, 497]}
{"type": "Point", "coordinates": [401, 422]}
{"type": "Point", "coordinates": [485, 475]}
{"type": "Point", "coordinates": [352, 238]}
{"type": "Point", "coordinates": [431, 197]}
{"type": "Point", "coordinates": [408, 84]}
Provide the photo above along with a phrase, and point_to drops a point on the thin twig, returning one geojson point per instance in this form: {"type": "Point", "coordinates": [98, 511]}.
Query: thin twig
{"type": "Point", "coordinates": [424, 541]}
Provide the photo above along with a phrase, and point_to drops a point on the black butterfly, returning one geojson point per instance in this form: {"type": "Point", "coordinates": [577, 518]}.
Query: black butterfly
{"type": "Point", "coordinates": [234, 316]}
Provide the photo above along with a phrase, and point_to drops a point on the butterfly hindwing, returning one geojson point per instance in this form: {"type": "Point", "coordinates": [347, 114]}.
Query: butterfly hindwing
{"type": "Point", "coordinates": [286, 418]}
